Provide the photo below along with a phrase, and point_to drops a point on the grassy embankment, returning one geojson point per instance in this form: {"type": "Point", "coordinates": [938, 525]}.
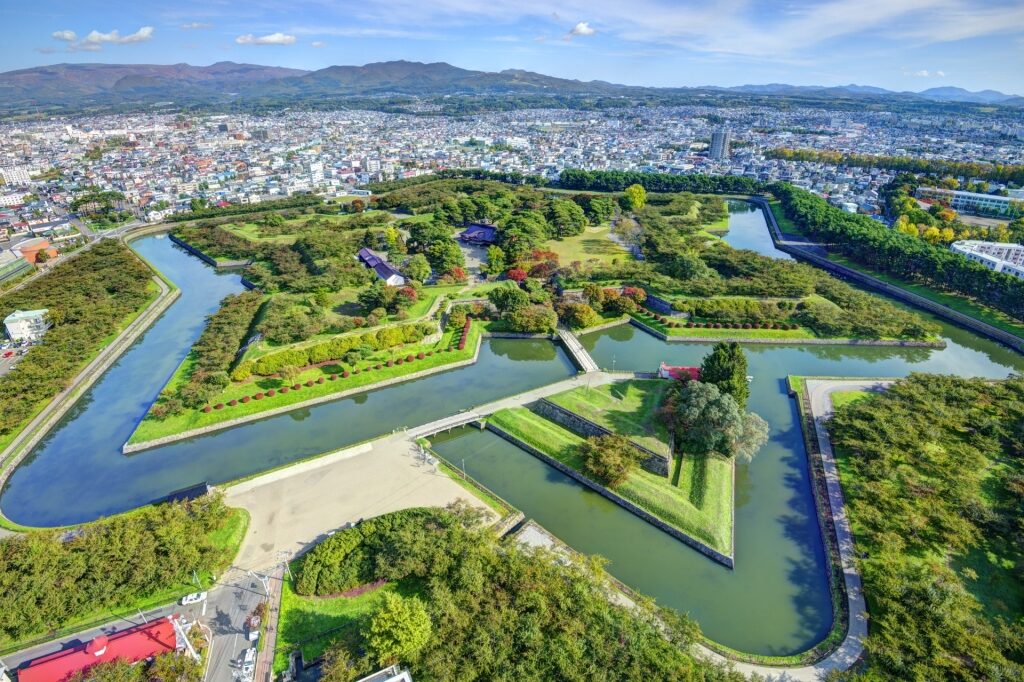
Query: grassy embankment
{"type": "Point", "coordinates": [961, 304]}
{"type": "Point", "coordinates": [629, 408]}
{"type": "Point", "coordinates": [228, 539]}
{"type": "Point", "coordinates": [151, 428]}
{"type": "Point", "coordinates": [697, 499]}
{"type": "Point", "coordinates": [700, 332]}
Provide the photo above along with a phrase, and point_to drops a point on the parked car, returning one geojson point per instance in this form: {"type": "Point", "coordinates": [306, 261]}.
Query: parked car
{"type": "Point", "coordinates": [8, 353]}
{"type": "Point", "coordinates": [193, 598]}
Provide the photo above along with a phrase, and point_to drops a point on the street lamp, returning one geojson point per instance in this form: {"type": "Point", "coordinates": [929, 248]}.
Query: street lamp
{"type": "Point", "coordinates": [264, 580]}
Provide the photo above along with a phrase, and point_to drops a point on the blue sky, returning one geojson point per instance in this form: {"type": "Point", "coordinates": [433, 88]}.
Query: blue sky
{"type": "Point", "coordinates": [898, 44]}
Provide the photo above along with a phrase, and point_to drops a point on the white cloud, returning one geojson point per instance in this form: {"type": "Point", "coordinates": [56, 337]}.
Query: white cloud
{"type": "Point", "coordinates": [318, 43]}
{"type": "Point", "coordinates": [95, 40]}
{"type": "Point", "coordinates": [925, 73]}
{"type": "Point", "coordinates": [271, 39]}
{"type": "Point", "coordinates": [66, 36]}
{"type": "Point", "coordinates": [195, 25]}
{"type": "Point", "coordinates": [582, 29]}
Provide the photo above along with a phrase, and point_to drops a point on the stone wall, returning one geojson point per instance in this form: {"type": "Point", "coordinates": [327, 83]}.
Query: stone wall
{"type": "Point", "coordinates": [654, 462]}
{"type": "Point", "coordinates": [704, 549]}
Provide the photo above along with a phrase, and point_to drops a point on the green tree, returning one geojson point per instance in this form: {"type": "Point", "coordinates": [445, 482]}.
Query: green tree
{"type": "Point", "coordinates": [609, 459]}
{"type": "Point", "coordinates": [708, 420]}
{"type": "Point", "coordinates": [418, 268]}
{"type": "Point", "coordinates": [399, 629]}
{"type": "Point", "coordinates": [636, 197]}
{"type": "Point", "coordinates": [533, 319]}
{"type": "Point", "coordinates": [508, 298]}
{"type": "Point", "coordinates": [445, 255]}
{"type": "Point", "coordinates": [726, 367]}
{"type": "Point", "coordinates": [578, 315]}
{"type": "Point", "coordinates": [496, 263]}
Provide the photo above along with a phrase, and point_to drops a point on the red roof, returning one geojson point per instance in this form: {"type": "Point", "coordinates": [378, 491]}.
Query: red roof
{"type": "Point", "coordinates": [134, 644]}
{"type": "Point", "coordinates": [678, 372]}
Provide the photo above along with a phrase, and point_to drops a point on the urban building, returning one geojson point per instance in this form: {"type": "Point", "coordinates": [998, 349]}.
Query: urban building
{"type": "Point", "coordinates": [999, 256]}
{"type": "Point", "coordinates": [15, 175]}
{"type": "Point", "coordinates": [379, 264]}
{"type": "Point", "coordinates": [973, 202]}
{"type": "Point", "coordinates": [720, 141]}
{"type": "Point", "coordinates": [133, 645]}
{"type": "Point", "coordinates": [30, 250]}
{"type": "Point", "coordinates": [26, 325]}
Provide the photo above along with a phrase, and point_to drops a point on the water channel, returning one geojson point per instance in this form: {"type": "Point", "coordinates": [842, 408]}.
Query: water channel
{"type": "Point", "coordinates": [774, 602]}
{"type": "Point", "coordinates": [77, 473]}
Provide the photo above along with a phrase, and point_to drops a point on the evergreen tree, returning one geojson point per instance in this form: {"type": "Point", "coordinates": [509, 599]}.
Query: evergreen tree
{"type": "Point", "coordinates": [726, 367]}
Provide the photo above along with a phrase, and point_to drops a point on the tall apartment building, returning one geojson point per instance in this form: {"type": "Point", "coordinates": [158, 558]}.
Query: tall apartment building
{"type": "Point", "coordinates": [720, 140]}
{"type": "Point", "coordinates": [15, 175]}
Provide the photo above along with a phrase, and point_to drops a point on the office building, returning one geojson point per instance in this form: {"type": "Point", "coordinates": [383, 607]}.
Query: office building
{"type": "Point", "coordinates": [720, 140]}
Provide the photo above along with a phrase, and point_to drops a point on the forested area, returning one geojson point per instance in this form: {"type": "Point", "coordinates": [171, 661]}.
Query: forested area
{"type": "Point", "coordinates": [213, 353]}
{"type": "Point", "coordinates": [940, 167]}
{"type": "Point", "coordinates": [714, 281]}
{"type": "Point", "coordinates": [617, 181]}
{"type": "Point", "coordinates": [89, 298]}
{"type": "Point", "coordinates": [871, 243]}
{"type": "Point", "coordinates": [296, 201]}
{"type": "Point", "coordinates": [539, 618]}
{"type": "Point", "coordinates": [51, 577]}
{"type": "Point", "coordinates": [933, 473]}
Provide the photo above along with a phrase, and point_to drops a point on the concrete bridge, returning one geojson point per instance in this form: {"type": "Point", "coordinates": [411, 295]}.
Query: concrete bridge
{"type": "Point", "coordinates": [575, 349]}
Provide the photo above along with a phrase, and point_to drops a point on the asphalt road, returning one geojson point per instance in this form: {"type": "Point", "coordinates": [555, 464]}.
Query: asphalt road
{"type": "Point", "coordinates": [225, 611]}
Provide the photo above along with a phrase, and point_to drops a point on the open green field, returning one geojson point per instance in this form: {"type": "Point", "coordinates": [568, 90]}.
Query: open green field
{"type": "Point", "coordinates": [841, 398]}
{"type": "Point", "coordinates": [698, 500]}
{"type": "Point", "coordinates": [960, 304]}
{"type": "Point", "coordinates": [785, 224]}
{"type": "Point", "coordinates": [228, 539]}
{"type": "Point", "coordinates": [312, 624]}
{"type": "Point", "coordinates": [151, 428]}
{"type": "Point", "coordinates": [594, 243]}
{"type": "Point", "coordinates": [345, 302]}
{"type": "Point", "coordinates": [628, 408]}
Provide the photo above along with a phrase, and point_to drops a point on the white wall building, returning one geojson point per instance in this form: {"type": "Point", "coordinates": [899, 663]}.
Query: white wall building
{"type": "Point", "coordinates": [1002, 257]}
{"type": "Point", "coordinates": [26, 325]}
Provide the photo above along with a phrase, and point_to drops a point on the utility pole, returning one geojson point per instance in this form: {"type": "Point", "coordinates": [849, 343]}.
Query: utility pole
{"type": "Point", "coordinates": [195, 577]}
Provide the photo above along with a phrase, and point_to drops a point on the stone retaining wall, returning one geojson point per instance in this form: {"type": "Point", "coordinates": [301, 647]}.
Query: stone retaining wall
{"type": "Point", "coordinates": [654, 462]}
{"type": "Point", "coordinates": [209, 260]}
{"type": "Point", "coordinates": [787, 342]}
{"type": "Point", "coordinates": [846, 273]}
{"type": "Point", "coordinates": [103, 362]}
{"type": "Point", "coordinates": [203, 430]}
{"type": "Point", "coordinates": [704, 549]}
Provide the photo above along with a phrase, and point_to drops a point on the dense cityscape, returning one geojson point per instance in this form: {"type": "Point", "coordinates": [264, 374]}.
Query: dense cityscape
{"type": "Point", "coordinates": [408, 371]}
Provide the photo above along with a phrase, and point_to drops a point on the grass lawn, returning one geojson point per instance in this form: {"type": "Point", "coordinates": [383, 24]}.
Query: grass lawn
{"type": "Point", "coordinates": [481, 290]}
{"type": "Point", "coordinates": [228, 539]}
{"type": "Point", "coordinates": [593, 244]}
{"type": "Point", "coordinates": [251, 231]}
{"type": "Point", "coordinates": [698, 500]}
{"type": "Point", "coordinates": [738, 334]}
{"type": "Point", "coordinates": [151, 428]}
{"type": "Point", "coordinates": [626, 407]}
{"type": "Point", "coordinates": [958, 303]}
{"type": "Point", "coordinates": [785, 224]}
{"type": "Point", "coordinates": [840, 398]}
{"type": "Point", "coordinates": [717, 227]}
{"type": "Point", "coordinates": [312, 624]}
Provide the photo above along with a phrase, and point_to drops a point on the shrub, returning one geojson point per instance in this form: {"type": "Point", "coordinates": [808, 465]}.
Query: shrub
{"type": "Point", "coordinates": [245, 399]}
{"type": "Point", "coordinates": [320, 380]}
{"type": "Point", "coordinates": [284, 389]}
{"type": "Point", "coordinates": [309, 383]}
{"type": "Point", "coordinates": [232, 402]}
{"type": "Point", "coordinates": [390, 362]}
{"type": "Point", "coordinates": [377, 366]}
{"type": "Point", "coordinates": [219, 406]}
{"type": "Point", "coordinates": [410, 357]}
{"type": "Point", "coordinates": [400, 361]}
{"type": "Point", "coordinates": [430, 353]}
{"type": "Point", "coordinates": [296, 387]}
{"type": "Point", "coordinates": [746, 325]}
{"type": "Point", "coordinates": [270, 393]}
{"type": "Point", "coordinates": [609, 459]}
{"type": "Point", "coordinates": [207, 409]}
{"type": "Point", "coordinates": [345, 374]}
{"type": "Point", "coordinates": [689, 324]}
{"type": "Point", "coordinates": [334, 377]}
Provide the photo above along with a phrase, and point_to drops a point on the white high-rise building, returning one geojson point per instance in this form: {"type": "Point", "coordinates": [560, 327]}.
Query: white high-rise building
{"type": "Point", "coordinates": [720, 140]}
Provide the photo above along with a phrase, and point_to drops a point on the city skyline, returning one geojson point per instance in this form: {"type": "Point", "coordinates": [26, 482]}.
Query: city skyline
{"type": "Point", "coordinates": [726, 43]}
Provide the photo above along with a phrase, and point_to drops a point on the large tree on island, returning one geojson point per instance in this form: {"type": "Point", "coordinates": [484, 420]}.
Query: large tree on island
{"type": "Point", "coordinates": [707, 420]}
{"type": "Point", "coordinates": [726, 367]}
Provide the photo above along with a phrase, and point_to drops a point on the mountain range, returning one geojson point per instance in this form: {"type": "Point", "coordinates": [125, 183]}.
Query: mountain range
{"type": "Point", "coordinates": [105, 84]}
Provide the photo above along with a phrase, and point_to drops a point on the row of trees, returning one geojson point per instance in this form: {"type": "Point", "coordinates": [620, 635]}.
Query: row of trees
{"type": "Point", "coordinates": [89, 298]}
{"type": "Point", "coordinates": [51, 577]}
{"type": "Point", "coordinates": [939, 167]}
{"type": "Point", "coordinates": [294, 201]}
{"type": "Point", "coordinates": [933, 474]}
{"type": "Point", "coordinates": [618, 181]}
{"type": "Point", "coordinates": [213, 353]}
{"type": "Point", "coordinates": [540, 618]}
{"type": "Point", "coordinates": [872, 244]}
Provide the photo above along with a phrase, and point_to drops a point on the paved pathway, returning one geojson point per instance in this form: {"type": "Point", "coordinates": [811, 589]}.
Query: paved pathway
{"type": "Point", "coordinates": [819, 392]}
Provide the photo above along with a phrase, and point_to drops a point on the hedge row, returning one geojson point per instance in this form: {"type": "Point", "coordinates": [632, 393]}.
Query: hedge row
{"type": "Point", "coordinates": [270, 393]}
{"type": "Point", "coordinates": [334, 349]}
{"type": "Point", "coordinates": [671, 323]}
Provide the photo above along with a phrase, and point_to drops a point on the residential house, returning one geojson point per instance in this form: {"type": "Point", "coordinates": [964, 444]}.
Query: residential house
{"type": "Point", "coordinates": [379, 264]}
{"type": "Point", "coordinates": [26, 325]}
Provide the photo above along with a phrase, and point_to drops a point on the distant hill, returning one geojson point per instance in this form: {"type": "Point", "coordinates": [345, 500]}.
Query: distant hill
{"type": "Point", "coordinates": [84, 85]}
